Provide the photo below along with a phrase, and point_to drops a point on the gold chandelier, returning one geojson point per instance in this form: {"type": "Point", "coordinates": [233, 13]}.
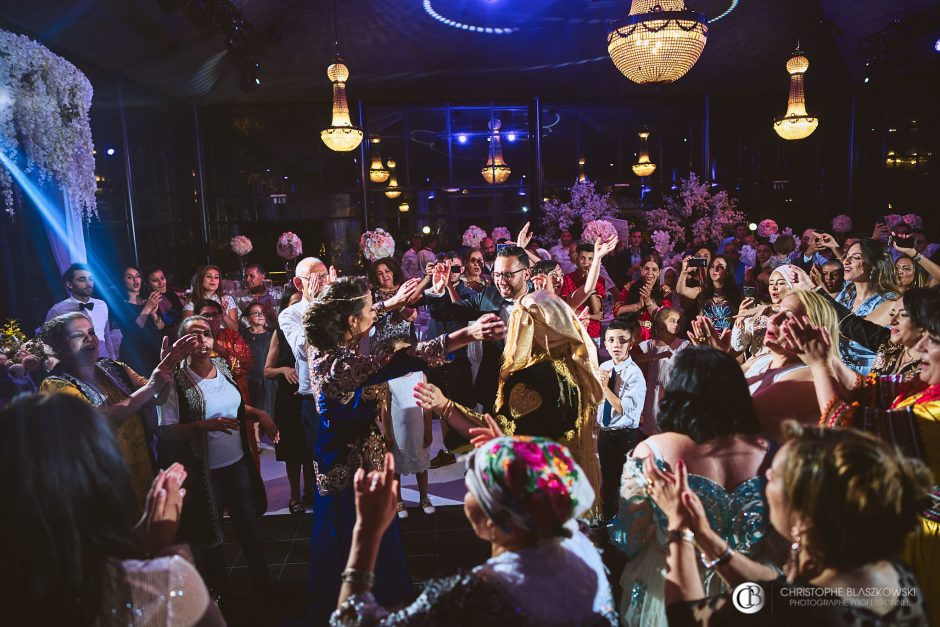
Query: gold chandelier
{"type": "Point", "coordinates": [581, 175]}
{"type": "Point", "coordinates": [403, 207]}
{"type": "Point", "coordinates": [658, 41]}
{"type": "Point", "coordinates": [341, 135]}
{"type": "Point", "coordinates": [796, 123]}
{"type": "Point", "coordinates": [496, 170]}
{"type": "Point", "coordinates": [392, 191]}
{"type": "Point", "coordinates": [643, 165]}
{"type": "Point", "coordinates": [377, 172]}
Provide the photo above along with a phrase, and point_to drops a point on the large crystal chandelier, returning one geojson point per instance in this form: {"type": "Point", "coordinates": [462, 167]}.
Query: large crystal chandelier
{"type": "Point", "coordinates": [496, 170]}
{"type": "Point", "coordinates": [643, 165]}
{"type": "Point", "coordinates": [796, 123]}
{"type": "Point", "coordinates": [377, 172]}
{"type": "Point", "coordinates": [658, 41]}
{"type": "Point", "coordinates": [341, 135]}
{"type": "Point", "coordinates": [392, 191]}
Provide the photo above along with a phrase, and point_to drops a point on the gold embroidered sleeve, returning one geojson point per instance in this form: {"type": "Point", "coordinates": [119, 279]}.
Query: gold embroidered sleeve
{"type": "Point", "coordinates": [432, 352]}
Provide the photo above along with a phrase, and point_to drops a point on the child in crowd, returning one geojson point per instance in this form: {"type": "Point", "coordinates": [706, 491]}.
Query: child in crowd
{"type": "Point", "coordinates": [407, 428]}
{"type": "Point", "coordinates": [619, 415]}
{"type": "Point", "coordinates": [654, 357]}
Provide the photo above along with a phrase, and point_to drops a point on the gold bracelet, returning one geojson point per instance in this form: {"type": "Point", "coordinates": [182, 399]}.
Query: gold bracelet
{"type": "Point", "coordinates": [448, 409]}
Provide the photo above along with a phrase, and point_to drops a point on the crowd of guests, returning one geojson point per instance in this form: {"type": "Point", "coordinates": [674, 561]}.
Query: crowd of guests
{"type": "Point", "coordinates": [720, 424]}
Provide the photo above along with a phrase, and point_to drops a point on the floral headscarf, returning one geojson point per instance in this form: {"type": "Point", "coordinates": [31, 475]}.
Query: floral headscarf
{"type": "Point", "coordinates": [528, 483]}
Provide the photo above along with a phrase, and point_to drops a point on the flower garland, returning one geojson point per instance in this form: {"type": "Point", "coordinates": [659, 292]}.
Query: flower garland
{"type": "Point", "coordinates": [472, 236]}
{"type": "Point", "coordinates": [376, 244]}
{"type": "Point", "coordinates": [597, 229]}
{"type": "Point", "coordinates": [44, 102]}
{"type": "Point", "coordinates": [289, 246]}
{"type": "Point", "coordinates": [241, 245]}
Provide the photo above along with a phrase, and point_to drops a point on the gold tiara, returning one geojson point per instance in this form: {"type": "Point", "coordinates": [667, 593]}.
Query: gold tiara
{"type": "Point", "coordinates": [330, 300]}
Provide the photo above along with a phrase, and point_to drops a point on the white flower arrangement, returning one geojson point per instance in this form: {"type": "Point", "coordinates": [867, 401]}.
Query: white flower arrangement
{"type": "Point", "coordinates": [472, 236]}
{"type": "Point", "coordinates": [44, 102]}
{"type": "Point", "coordinates": [377, 244]}
{"type": "Point", "coordinates": [500, 232]}
{"type": "Point", "coordinates": [597, 229]}
{"type": "Point", "coordinates": [842, 224]}
{"type": "Point", "coordinates": [241, 245]}
{"type": "Point", "coordinates": [289, 246]}
{"type": "Point", "coordinates": [710, 214]}
{"type": "Point", "coordinates": [766, 228]}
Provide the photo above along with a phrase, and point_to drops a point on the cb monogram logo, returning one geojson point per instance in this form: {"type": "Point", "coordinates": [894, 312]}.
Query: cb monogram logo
{"type": "Point", "coordinates": [748, 598]}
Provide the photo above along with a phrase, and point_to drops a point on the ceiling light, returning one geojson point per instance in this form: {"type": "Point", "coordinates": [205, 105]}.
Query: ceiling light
{"type": "Point", "coordinates": [462, 138]}
{"type": "Point", "coordinates": [658, 41]}
{"type": "Point", "coordinates": [643, 165]}
{"type": "Point", "coordinates": [796, 123]}
{"type": "Point", "coordinates": [341, 135]}
{"type": "Point", "coordinates": [496, 171]}
{"type": "Point", "coordinates": [392, 191]}
{"type": "Point", "coordinates": [377, 172]}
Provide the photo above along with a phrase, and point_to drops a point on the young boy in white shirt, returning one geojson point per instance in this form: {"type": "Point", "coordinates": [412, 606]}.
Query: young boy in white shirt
{"type": "Point", "coordinates": [619, 414]}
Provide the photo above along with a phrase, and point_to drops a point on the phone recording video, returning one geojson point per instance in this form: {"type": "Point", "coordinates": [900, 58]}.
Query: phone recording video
{"type": "Point", "coordinates": [698, 262]}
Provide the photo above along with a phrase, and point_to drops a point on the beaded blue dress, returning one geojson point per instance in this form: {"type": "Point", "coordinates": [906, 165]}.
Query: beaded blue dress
{"type": "Point", "coordinates": [740, 516]}
{"type": "Point", "coordinates": [347, 388]}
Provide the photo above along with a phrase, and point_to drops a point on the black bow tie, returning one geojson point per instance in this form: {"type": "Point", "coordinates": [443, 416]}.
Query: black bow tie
{"type": "Point", "coordinates": [84, 306]}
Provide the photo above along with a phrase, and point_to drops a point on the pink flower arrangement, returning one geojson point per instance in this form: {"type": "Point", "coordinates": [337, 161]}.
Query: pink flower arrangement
{"type": "Point", "coordinates": [241, 245]}
{"type": "Point", "coordinates": [710, 214]}
{"type": "Point", "coordinates": [748, 255]}
{"type": "Point", "coordinates": [597, 229]}
{"type": "Point", "coordinates": [585, 206]}
{"type": "Point", "coordinates": [914, 221]}
{"type": "Point", "coordinates": [662, 242]}
{"type": "Point", "coordinates": [766, 228]}
{"type": "Point", "coordinates": [842, 224]}
{"type": "Point", "coordinates": [289, 246]}
{"type": "Point", "coordinates": [377, 244]}
{"type": "Point", "coordinates": [472, 236]}
{"type": "Point", "coordinates": [893, 219]}
{"type": "Point", "coordinates": [500, 232]}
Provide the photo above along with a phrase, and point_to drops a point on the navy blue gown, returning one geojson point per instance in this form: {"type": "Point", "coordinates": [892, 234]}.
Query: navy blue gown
{"type": "Point", "coordinates": [346, 386]}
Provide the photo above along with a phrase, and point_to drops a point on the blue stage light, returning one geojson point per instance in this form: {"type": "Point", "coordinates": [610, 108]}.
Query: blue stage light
{"type": "Point", "coordinates": [110, 152]}
{"type": "Point", "coordinates": [462, 138]}
{"type": "Point", "coordinates": [511, 136]}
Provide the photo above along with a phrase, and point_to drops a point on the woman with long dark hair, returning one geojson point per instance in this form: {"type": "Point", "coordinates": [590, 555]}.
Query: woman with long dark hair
{"type": "Point", "coordinates": [343, 381]}
{"type": "Point", "coordinates": [646, 295]}
{"type": "Point", "coordinates": [716, 297]}
{"type": "Point", "coordinates": [207, 285]}
{"type": "Point", "coordinates": [137, 316]}
{"type": "Point", "coordinates": [72, 537]}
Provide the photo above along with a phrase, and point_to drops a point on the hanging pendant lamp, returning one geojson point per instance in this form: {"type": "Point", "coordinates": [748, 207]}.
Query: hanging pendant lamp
{"type": "Point", "coordinates": [392, 191]}
{"type": "Point", "coordinates": [581, 175]}
{"type": "Point", "coordinates": [496, 170]}
{"type": "Point", "coordinates": [658, 41]}
{"type": "Point", "coordinates": [796, 123]}
{"type": "Point", "coordinates": [643, 165]}
{"type": "Point", "coordinates": [377, 172]}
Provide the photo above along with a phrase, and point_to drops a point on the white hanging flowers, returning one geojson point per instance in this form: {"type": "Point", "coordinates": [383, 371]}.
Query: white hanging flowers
{"type": "Point", "coordinates": [44, 102]}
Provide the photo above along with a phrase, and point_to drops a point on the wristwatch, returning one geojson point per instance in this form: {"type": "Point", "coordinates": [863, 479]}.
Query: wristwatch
{"type": "Point", "coordinates": [680, 535]}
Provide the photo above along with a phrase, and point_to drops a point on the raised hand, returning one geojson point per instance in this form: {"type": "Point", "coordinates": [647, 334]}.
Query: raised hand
{"type": "Point", "coordinates": [481, 435]}
{"type": "Point", "coordinates": [153, 302]}
{"type": "Point", "coordinates": [815, 275]}
{"type": "Point", "coordinates": [665, 488]}
{"type": "Point", "coordinates": [406, 292]}
{"type": "Point", "coordinates": [799, 279]}
{"type": "Point", "coordinates": [880, 231]}
{"type": "Point", "coordinates": [524, 237]}
{"type": "Point", "coordinates": [376, 498]}
{"type": "Point", "coordinates": [605, 247]}
{"type": "Point", "coordinates": [910, 252]}
{"type": "Point", "coordinates": [584, 316]}
{"type": "Point", "coordinates": [826, 241]}
{"type": "Point", "coordinates": [487, 327]}
{"type": "Point", "coordinates": [812, 343]}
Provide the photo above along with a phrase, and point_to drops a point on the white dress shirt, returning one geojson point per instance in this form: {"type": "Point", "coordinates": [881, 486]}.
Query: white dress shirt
{"type": "Point", "coordinates": [630, 387]}
{"type": "Point", "coordinates": [98, 315]}
{"type": "Point", "coordinates": [291, 323]}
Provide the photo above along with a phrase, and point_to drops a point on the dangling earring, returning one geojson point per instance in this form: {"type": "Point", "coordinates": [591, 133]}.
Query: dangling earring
{"type": "Point", "coordinates": [796, 547]}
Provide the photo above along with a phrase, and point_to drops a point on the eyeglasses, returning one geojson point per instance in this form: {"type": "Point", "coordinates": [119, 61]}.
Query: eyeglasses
{"type": "Point", "coordinates": [455, 269]}
{"type": "Point", "coordinates": [255, 313]}
{"type": "Point", "coordinates": [210, 315]}
{"type": "Point", "coordinates": [506, 275]}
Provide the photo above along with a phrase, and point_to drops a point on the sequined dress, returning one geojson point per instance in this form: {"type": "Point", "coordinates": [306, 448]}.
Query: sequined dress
{"type": "Point", "coordinates": [346, 385]}
{"type": "Point", "coordinates": [857, 357]}
{"type": "Point", "coordinates": [740, 516]}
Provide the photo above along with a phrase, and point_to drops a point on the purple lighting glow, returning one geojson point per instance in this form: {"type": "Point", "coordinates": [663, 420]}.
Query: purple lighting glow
{"type": "Point", "coordinates": [936, 45]}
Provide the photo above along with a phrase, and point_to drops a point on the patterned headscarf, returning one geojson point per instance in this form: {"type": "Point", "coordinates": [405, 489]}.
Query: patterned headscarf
{"type": "Point", "coordinates": [528, 483]}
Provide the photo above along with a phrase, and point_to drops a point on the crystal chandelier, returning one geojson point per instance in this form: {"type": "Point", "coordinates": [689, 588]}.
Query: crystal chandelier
{"type": "Point", "coordinates": [658, 41]}
{"type": "Point", "coordinates": [796, 123]}
{"type": "Point", "coordinates": [341, 135]}
{"type": "Point", "coordinates": [581, 175]}
{"type": "Point", "coordinates": [643, 165]}
{"type": "Point", "coordinates": [496, 170]}
{"type": "Point", "coordinates": [377, 172]}
{"type": "Point", "coordinates": [392, 191]}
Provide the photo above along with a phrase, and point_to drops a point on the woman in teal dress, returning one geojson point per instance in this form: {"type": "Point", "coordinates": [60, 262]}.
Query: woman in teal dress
{"type": "Point", "coordinates": [345, 383]}
{"type": "Point", "coordinates": [706, 420]}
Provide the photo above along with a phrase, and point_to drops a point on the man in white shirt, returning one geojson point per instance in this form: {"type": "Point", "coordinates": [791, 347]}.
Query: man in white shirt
{"type": "Point", "coordinates": [619, 414]}
{"type": "Point", "coordinates": [559, 252]}
{"type": "Point", "coordinates": [410, 267]}
{"type": "Point", "coordinates": [80, 284]}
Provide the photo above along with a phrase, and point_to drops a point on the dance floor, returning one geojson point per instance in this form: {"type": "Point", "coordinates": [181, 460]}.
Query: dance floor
{"type": "Point", "coordinates": [446, 486]}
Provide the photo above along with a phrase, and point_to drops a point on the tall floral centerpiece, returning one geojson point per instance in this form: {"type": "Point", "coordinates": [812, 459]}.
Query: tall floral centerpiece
{"type": "Point", "coordinates": [289, 247]}
{"type": "Point", "coordinates": [376, 245]}
{"type": "Point", "coordinates": [842, 224]}
{"type": "Point", "coordinates": [585, 206]}
{"type": "Point", "coordinates": [711, 215]}
{"type": "Point", "coordinates": [241, 246]}
{"type": "Point", "coordinates": [44, 129]}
